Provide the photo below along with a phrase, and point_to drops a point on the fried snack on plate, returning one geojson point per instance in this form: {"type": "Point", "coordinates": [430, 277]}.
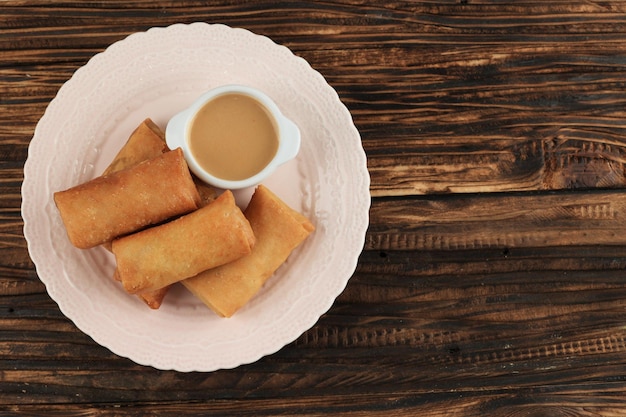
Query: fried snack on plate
{"type": "Point", "coordinates": [153, 299]}
{"type": "Point", "coordinates": [213, 235]}
{"type": "Point", "coordinates": [147, 141]}
{"type": "Point", "coordinates": [106, 207]}
{"type": "Point", "coordinates": [278, 230]}
{"type": "Point", "coordinates": [207, 192]}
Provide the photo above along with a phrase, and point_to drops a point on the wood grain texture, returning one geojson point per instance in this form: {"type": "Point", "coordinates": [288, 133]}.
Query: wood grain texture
{"type": "Point", "coordinates": [492, 279]}
{"type": "Point", "coordinates": [499, 220]}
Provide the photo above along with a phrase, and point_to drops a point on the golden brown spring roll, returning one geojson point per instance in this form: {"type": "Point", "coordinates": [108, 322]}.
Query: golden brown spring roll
{"type": "Point", "coordinates": [278, 229]}
{"type": "Point", "coordinates": [213, 235]}
{"type": "Point", "coordinates": [207, 192]}
{"type": "Point", "coordinates": [153, 299]}
{"type": "Point", "coordinates": [147, 141]}
{"type": "Point", "coordinates": [123, 202]}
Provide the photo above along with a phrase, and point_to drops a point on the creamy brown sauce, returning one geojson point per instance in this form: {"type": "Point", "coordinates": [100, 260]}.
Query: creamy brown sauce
{"type": "Point", "coordinates": [233, 137]}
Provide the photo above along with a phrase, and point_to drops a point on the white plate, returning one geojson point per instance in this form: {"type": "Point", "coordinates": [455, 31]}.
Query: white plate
{"type": "Point", "coordinates": [156, 74]}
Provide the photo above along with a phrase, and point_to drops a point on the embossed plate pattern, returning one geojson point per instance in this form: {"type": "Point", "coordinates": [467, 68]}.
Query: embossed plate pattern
{"type": "Point", "coordinates": [156, 74]}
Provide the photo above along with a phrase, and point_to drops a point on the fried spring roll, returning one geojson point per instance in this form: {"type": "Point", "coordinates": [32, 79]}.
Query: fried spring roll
{"type": "Point", "coordinates": [154, 299]}
{"type": "Point", "coordinates": [207, 192]}
{"type": "Point", "coordinates": [278, 229]}
{"type": "Point", "coordinates": [147, 141]}
{"type": "Point", "coordinates": [213, 235]}
{"type": "Point", "coordinates": [125, 201]}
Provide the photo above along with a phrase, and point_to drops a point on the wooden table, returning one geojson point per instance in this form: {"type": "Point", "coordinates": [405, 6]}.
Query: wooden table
{"type": "Point", "coordinates": [492, 279]}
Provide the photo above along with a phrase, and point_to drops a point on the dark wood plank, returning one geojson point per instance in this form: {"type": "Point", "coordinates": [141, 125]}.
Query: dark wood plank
{"type": "Point", "coordinates": [504, 220]}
